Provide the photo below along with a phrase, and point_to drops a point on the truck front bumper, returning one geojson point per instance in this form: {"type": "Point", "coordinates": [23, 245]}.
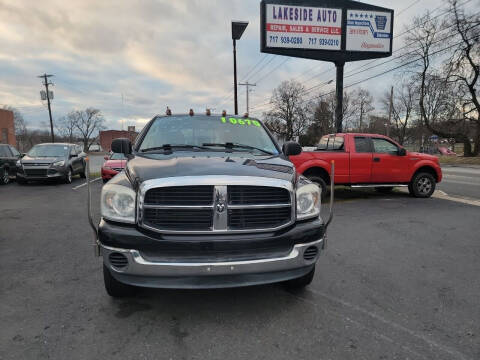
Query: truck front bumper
{"type": "Point", "coordinates": [139, 266]}
{"type": "Point", "coordinates": [142, 272]}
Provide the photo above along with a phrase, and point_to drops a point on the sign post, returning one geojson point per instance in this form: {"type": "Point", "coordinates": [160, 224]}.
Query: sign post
{"type": "Point", "coordinates": [329, 30]}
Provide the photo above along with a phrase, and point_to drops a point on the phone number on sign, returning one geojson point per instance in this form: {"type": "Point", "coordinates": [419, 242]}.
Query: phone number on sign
{"type": "Point", "coordinates": [285, 39]}
{"type": "Point", "coordinates": [322, 41]}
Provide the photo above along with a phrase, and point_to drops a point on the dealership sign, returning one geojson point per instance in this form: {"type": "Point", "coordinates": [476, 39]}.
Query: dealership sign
{"type": "Point", "coordinates": [302, 27]}
{"type": "Point", "coordinates": [368, 31]}
{"type": "Point", "coordinates": [330, 30]}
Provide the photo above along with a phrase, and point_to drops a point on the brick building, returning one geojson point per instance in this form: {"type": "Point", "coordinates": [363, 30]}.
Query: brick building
{"type": "Point", "coordinates": [7, 128]}
{"type": "Point", "coordinates": [107, 136]}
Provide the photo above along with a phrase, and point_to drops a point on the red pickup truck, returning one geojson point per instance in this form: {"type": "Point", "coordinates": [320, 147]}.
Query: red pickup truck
{"type": "Point", "coordinates": [369, 160]}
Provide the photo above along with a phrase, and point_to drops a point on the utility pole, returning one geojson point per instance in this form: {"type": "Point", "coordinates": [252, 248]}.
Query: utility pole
{"type": "Point", "coordinates": [247, 84]}
{"type": "Point", "coordinates": [390, 112]}
{"type": "Point", "coordinates": [339, 96]}
{"type": "Point", "coordinates": [46, 83]}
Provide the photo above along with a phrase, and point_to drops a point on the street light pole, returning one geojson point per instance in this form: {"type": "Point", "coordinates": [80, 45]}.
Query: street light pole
{"type": "Point", "coordinates": [235, 74]}
{"type": "Point", "coordinates": [238, 27]}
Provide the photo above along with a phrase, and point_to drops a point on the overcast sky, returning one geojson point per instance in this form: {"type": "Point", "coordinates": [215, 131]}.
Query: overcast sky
{"type": "Point", "coordinates": [155, 53]}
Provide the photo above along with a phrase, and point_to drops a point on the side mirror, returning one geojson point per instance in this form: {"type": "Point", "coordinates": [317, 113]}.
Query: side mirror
{"type": "Point", "coordinates": [291, 148]}
{"type": "Point", "coordinates": [73, 156]}
{"type": "Point", "coordinates": [122, 146]}
{"type": "Point", "coordinates": [22, 155]}
{"type": "Point", "coordinates": [402, 152]}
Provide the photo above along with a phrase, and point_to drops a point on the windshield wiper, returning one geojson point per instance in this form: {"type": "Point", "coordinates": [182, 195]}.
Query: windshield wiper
{"type": "Point", "coordinates": [231, 146]}
{"type": "Point", "coordinates": [169, 147]}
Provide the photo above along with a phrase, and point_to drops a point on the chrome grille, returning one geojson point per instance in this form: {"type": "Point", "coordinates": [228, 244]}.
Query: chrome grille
{"type": "Point", "coordinates": [206, 204]}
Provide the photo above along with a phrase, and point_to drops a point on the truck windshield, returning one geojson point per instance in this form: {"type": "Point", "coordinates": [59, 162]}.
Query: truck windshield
{"type": "Point", "coordinates": [205, 132]}
{"type": "Point", "coordinates": [48, 151]}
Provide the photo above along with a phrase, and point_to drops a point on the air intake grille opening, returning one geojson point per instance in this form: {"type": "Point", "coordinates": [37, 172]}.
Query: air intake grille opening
{"type": "Point", "coordinates": [179, 219]}
{"type": "Point", "coordinates": [118, 260]}
{"type": "Point", "coordinates": [310, 253]}
{"type": "Point", "coordinates": [252, 195]}
{"type": "Point", "coordinates": [258, 218]}
{"type": "Point", "coordinates": [180, 195]}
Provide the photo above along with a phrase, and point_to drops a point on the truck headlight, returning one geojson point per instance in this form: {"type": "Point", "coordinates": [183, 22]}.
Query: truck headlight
{"type": "Point", "coordinates": [308, 201]}
{"type": "Point", "coordinates": [19, 163]}
{"type": "Point", "coordinates": [118, 203]}
{"type": "Point", "coordinates": [59, 163]}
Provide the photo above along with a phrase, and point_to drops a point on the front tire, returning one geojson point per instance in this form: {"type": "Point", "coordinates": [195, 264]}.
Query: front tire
{"type": "Point", "coordinates": [114, 287]}
{"type": "Point", "coordinates": [4, 177]}
{"type": "Point", "coordinates": [301, 282]}
{"type": "Point", "coordinates": [422, 185]}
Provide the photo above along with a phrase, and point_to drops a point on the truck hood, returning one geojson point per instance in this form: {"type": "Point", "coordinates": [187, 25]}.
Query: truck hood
{"type": "Point", "coordinates": [422, 156]}
{"type": "Point", "coordinates": [147, 167]}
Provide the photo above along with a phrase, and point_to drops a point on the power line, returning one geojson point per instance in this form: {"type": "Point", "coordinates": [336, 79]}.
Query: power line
{"type": "Point", "coordinates": [387, 61]}
{"type": "Point", "coordinates": [255, 66]}
{"type": "Point", "coordinates": [275, 68]}
{"type": "Point", "coordinates": [247, 84]}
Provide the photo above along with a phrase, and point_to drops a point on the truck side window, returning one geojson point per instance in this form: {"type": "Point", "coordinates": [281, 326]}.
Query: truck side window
{"type": "Point", "coordinates": [362, 145]}
{"type": "Point", "coordinates": [383, 146]}
{"type": "Point", "coordinates": [337, 143]}
{"type": "Point", "coordinates": [322, 145]}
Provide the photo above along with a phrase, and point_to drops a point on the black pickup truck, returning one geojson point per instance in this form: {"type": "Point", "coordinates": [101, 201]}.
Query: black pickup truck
{"type": "Point", "coordinates": [206, 202]}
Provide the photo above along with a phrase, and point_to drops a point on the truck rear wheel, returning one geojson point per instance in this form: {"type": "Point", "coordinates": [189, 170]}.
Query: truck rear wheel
{"type": "Point", "coordinates": [114, 287]}
{"type": "Point", "coordinates": [422, 185]}
{"type": "Point", "coordinates": [301, 282]}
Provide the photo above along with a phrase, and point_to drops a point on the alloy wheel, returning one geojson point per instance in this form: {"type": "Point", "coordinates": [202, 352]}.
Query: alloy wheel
{"type": "Point", "coordinates": [424, 185]}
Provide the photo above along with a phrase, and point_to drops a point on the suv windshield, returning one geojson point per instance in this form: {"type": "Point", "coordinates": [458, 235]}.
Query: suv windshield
{"type": "Point", "coordinates": [208, 132]}
{"type": "Point", "coordinates": [48, 151]}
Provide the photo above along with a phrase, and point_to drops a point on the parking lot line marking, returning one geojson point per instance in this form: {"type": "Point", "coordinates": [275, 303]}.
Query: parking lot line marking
{"type": "Point", "coordinates": [79, 186]}
{"type": "Point", "coordinates": [457, 354]}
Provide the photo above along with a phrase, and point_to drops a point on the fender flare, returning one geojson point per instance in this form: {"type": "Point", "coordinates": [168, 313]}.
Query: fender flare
{"type": "Point", "coordinates": [425, 163]}
{"type": "Point", "coordinates": [314, 163]}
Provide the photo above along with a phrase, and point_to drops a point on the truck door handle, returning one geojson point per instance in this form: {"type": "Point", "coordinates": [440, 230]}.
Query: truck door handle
{"type": "Point", "coordinates": [376, 159]}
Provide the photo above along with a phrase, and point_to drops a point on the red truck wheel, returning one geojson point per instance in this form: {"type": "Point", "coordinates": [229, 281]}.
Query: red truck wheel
{"type": "Point", "coordinates": [422, 185]}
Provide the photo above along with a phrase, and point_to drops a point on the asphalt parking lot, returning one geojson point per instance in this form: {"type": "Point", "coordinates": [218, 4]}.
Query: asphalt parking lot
{"type": "Point", "coordinates": [399, 280]}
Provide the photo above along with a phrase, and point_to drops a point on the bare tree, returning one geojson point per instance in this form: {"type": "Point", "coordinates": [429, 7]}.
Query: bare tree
{"type": "Point", "coordinates": [463, 66]}
{"type": "Point", "coordinates": [289, 116]}
{"type": "Point", "coordinates": [88, 123]}
{"type": "Point", "coordinates": [67, 126]}
{"type": "Point", "coordinates": [437, 97]}
{"type": "Point", "coordinates": [403, 108]}
{"type": "Point", "coordinates": [362, 106]}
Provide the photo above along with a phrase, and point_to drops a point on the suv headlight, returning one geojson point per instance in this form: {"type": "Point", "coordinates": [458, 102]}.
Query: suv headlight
{"type": "Point", "coordinates": [308, 201]}
{"type": "Point", "coordinates": [59, 163]}
{"type": "Point", "coordinates": [118, 203]}
{"type": "Point", "coordinates": [19, 163]}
